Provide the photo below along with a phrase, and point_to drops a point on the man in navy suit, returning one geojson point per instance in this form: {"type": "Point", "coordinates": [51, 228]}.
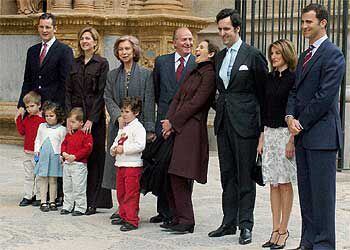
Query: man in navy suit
{"type": "Point", "coordinates": [313, 117]}
{"type": "Point", "coordinates": [47, 66]}
{"type": "Point", "coordinates": [241, 71]}
{"type": "Point", "coordinates": [169, 72]}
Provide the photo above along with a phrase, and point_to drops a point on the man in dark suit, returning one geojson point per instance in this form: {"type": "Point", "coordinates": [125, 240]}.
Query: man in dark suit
{"type": "Point", "coordinates": [313, 117]}
{"type": "Point", "coordinates": [241, 71]}
{"type": "Point", "coordinates": [168, 75]}
{"type": "Point", "coordinates": [47, 66]}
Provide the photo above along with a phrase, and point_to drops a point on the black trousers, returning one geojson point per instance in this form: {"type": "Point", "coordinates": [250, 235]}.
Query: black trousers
{"type": "Point", "coordinates": [316, 171]}
{"type": "Point", "coordinates": [237, 156]}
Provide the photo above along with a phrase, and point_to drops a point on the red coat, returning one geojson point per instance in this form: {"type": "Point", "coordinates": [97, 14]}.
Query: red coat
{"type": "Point", "coordinates": [29, 128]}
{"type": "Point", "coordinates": [188, 114]}
{"type": "Point", "coordinates": [78, 144]}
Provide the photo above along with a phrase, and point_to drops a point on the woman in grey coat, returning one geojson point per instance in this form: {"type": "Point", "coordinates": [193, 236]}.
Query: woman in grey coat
{"type": "Point", "coordinates": [129, 79]}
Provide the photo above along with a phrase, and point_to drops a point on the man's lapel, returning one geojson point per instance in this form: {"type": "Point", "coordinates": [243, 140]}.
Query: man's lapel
{"type": "Point", "coordinates": [170, 65]}
{"type": "Point", "coordinates": [220, 58]}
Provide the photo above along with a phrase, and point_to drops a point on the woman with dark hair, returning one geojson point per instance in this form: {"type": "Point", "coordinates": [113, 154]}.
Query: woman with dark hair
{"type": "Point", "coordinates": [275, 143]}
{"type": "Point", "coordinates": [129, 79]}
{"type": "Point", "coordinates": [85, 88]}
{"type": "Point", "coordinates": [187, 122]}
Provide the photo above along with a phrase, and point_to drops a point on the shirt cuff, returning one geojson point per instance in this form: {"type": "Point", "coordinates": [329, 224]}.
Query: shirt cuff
{"type": "Point", "coordinates": [288, 116]}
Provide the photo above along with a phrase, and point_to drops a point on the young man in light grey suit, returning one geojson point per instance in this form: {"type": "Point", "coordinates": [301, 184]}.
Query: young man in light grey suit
{"type": "Point", "coordinates": [169, 72]}
{"type": "Point", "coordinates": [313, 117]}
{"type": "Point", "coordinates": [241, 72]}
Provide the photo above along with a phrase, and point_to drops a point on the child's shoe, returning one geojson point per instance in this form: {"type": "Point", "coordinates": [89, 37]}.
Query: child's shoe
{"type": "Point", "coordinates": [64, 212]}
{"type": "Point", "coordinates": [53, 206]}
{"type": "Point", "coordinates": [44, 207]}
{"type": "Point", "coordinates": [118, 221]}
{"type": "Point", "coordinates": [35, 202]}
{"type": "Point", "coordinates": [25, 202]}
{"type": "Point", "coordinates": [77, 213]}
{"type": "Point", "coordinates": [127, 227]}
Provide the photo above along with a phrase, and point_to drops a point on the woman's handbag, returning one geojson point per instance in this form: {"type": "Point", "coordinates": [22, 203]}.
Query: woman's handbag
{"type": "Point", "coordinates": [256, 173]}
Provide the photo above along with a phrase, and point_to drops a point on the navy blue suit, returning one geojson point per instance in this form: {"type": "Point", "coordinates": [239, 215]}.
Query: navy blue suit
{"type": "Point", "coordinates": [48, 79]}
{"type": "Point", "coordinates": [314, 102]}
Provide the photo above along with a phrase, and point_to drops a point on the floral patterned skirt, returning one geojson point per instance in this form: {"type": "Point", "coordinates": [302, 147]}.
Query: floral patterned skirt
{"type": "Point", "coordinates": [276, 167]}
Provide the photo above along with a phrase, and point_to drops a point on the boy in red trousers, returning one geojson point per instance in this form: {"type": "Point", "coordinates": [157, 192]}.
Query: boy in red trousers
{"type": "Point", "coordinates": [75, 151]}
{"type": "Point", "coordinates": [28, 127]}
{"type": "Point", "coordinates": [127, 149]}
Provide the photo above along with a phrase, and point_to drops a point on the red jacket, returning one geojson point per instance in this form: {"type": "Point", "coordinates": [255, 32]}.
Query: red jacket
{"type": "Point", "coordinates": [78, 144]}
{"type": "Point", "coordinates": [28, 127]}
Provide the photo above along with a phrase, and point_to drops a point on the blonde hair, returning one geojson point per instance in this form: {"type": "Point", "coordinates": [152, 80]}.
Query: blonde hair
{"type": "Point", "coordinates": [288, 53]}
{"type": "Point", "coordinates": [94, 34]}
{"type": "Point", "coordinates": [77, 113]}
{"type": "Point", "coordinates": [32, 97]}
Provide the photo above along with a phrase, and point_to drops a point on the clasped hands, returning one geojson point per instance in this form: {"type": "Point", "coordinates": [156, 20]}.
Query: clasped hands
{"type": "Point", "coordinates": [67, 157]}
{"type": "Point", "coordinates": [294, 126]}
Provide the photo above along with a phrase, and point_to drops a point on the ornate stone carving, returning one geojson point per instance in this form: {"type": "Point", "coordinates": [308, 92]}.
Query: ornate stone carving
{"type": "Point", "coordinates": [150, 50]}
{"type": "Point", "coordinates": [28, 6]}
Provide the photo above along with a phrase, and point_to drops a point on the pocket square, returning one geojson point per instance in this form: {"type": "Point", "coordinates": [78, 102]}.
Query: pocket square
{"type": "Point", "coordinates": [243, 67]}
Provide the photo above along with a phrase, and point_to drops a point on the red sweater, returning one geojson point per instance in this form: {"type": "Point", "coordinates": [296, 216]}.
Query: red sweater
{"type": "Point", "coordinates": [29, 128]}
{"type": "Point", "coordinates": [78, 144]}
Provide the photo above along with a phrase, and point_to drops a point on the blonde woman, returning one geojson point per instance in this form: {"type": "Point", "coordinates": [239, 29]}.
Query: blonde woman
{"type": "Point", "coordinates": [84, 88]}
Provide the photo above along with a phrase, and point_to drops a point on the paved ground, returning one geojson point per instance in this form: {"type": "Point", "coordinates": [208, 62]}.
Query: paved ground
{"type": "Point", "coordinates": [29, 228]}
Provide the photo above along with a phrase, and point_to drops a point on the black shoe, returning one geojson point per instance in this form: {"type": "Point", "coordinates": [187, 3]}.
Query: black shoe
{"type": "Point", "coordinates": [115, 215]}
{"type": "Point", "coordinates": [118, 221]}
{"type": "Point", "coordinates": [156, 219]}
{"type": "Point", "coordinates": [25, 202]}
{"type": "Point", "coordinates": [280, 246]}
{"type": "Point", "coordinates": [223, 230]}
{"type": "Point", "coordinates": [59, 201]}
{"type": "Point", "coordinates": [44, 207]}
{"type": "Point", "coordinates": [245, 237]}
{"type": "Point", "coordinates": [183, 228]}
{"type": "Point", "coordinates": [90, 211]}
{"type": "Point", "coordinates": [77, 213]}
{"type": "Point", "coordinates": [64, 212]}
{"type": "Point", "coordinates": [269, 243]}
{"type": "Point", "coordinates": [53, 206]}
{"type": "Point", "coordinates": [36, 203]}
{"type": "Point", "coordinates": [127, 227]}
{"type": "Point", "coordinates": [168, 224]}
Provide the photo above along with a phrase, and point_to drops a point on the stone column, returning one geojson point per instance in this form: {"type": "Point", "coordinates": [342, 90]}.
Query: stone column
{"type": "Point", "coordinates": [62, 5]}
{"type": "Point", "coordinates": [99, 5]}
{"type": "Point", "coordinates": [84, 5]}
{"type": "Point", "coordinates": [144, 7]}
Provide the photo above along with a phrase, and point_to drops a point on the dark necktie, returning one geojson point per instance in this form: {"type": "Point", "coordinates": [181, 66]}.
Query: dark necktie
{"type": "Point", "coordinates": [43, 53]}
{"type": "Point", "coordinates": [308, 55]}
{"type": "Point", "coordinates": [180, 69]}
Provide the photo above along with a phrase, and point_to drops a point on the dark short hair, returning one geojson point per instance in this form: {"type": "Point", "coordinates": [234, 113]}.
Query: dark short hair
{"type": "Point", "coordinates": [212, 48]}
{"type": "Point", "coordinates": [55, 108]}
{"type": "Point", "coordinates": [132, 102]}
{"type": "Point", "coordinates": [320, 10]}
{"type": "Point", "coordinates": [77, 113]}
{"type": "Point", "coordinates": [233, 14]}
{"type": "Point", "coordinates": [134, 43]}
{"type": "Point", "coordinates": [46, 16]}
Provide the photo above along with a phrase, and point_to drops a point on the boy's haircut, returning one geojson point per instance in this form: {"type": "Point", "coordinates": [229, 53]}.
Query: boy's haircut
{"type": "Point", "coordinates": [77, 113]}
{"type": "Point", "coordinates": [132, 102]}
{"type": "Point", "coordinates": [55, 108]}
{"type": "Point", "coordinates": [32, 97]}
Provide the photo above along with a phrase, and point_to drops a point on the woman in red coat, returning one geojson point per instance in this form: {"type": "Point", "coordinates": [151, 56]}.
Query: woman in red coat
{"type": "Point", "coordinates": [187, 120]}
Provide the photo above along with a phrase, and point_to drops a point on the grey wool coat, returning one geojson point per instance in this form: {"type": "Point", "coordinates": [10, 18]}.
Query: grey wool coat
{"type": "Point", "coordinates": [141, 84]}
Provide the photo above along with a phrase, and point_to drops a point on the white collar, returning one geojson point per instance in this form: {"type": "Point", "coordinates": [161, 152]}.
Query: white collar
{"type": "Point", "coordinates": [236, 45]}
{"type": "Point", "coordinates": [318, 43]}
{"type": "Point", "coordinates": [177, 57]}
{"type": "Point", "coordinates": [49, 43]}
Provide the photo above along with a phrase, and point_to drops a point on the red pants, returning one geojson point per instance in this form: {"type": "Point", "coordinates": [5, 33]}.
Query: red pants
{"type": "Point", "coordinates": [128, 193]}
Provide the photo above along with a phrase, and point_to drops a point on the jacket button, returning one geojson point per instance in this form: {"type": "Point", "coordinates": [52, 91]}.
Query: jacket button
{"type": "Point", "coordinates": [39, 77]}
{"type": "Point", "coordinates": [39, 87]}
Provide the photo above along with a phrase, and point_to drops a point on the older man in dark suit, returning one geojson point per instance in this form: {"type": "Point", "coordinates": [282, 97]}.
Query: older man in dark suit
{"type": "Point", "coordinates": [313, 116]}
{"type": "Point", "coordinates": [47, 66]}
{"type": "Point", "coordinates": [168, 75]}
{"type": "Point", "coordinates": [241, 71]}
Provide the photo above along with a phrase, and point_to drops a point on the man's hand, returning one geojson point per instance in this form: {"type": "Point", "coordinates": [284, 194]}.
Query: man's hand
{"type": "Point", "coordinates": [150, 136]}
{"type": "Point", "coordinates": [87, 127]}
{"type": "Point", "coordinates": [294, 126]}
{"type": "Point", "coordinates": [261, 144]}
{"type": "Point", "coordinates": [166, 126]}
